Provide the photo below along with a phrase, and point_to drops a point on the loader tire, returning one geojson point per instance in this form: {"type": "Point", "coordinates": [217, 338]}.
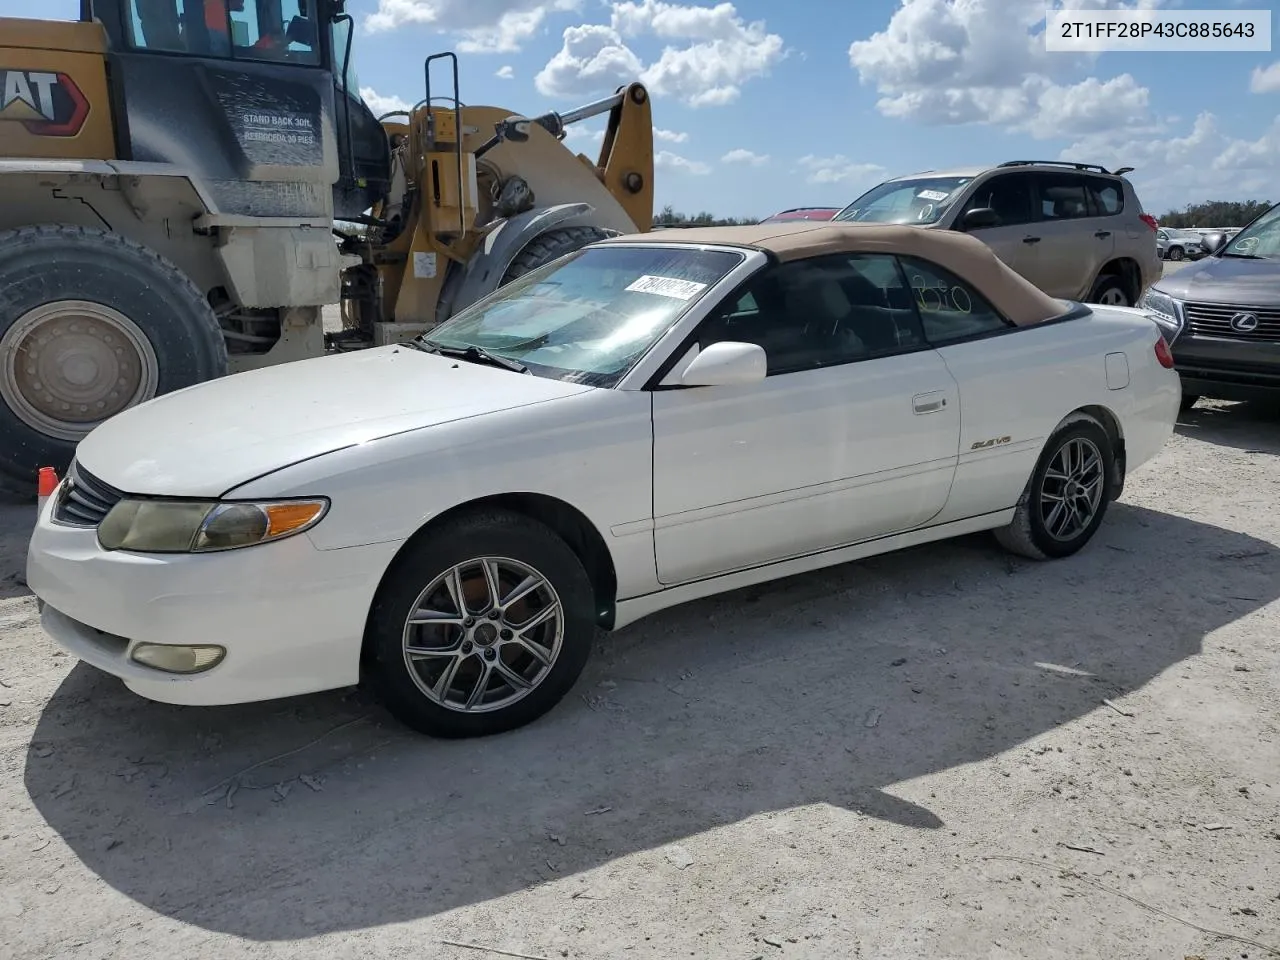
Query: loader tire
{"type": "Point", "coordinates": [91, 323]}
{"type": "Point", "coordinates": [552, 245]}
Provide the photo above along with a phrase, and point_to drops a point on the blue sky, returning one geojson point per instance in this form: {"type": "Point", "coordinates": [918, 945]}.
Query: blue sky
{"type": "Point", "coordinates": [767, 104]}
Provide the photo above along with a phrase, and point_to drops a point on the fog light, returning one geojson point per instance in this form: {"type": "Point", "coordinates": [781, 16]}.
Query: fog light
{"type": "Point", "coordinates": [178, 659]}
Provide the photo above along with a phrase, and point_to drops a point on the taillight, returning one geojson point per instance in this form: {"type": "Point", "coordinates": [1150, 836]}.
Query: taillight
{"type": "Point", "coordinates": [1149, 220]}
{"type": "Point", "coordinates": [1163, 353]}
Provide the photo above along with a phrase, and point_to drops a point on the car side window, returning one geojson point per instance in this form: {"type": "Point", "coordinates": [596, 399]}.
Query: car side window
{"type": "Point", "coordinates": [1106, 195]}
{"type": "Point", "coordinates": [1008, 194]}
{"type": "Point", "coordinates": [1060, 196]}
{"type": "Point", "coordinates": [821, 312]}
{"type": "Point", "coordinates": [950, 309]}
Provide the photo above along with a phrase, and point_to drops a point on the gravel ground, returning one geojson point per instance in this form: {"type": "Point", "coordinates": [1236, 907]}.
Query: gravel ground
{"type": "Point", "coordinates": [942, 753]}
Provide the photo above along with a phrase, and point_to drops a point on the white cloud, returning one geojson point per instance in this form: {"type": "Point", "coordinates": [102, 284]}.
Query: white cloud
{"type": "Point", "coordinates": [713, 53]}
{"type": "Point", "coordinates": [380, 104]}
{"type": "Point", "coordinates": [670, 136]}
{"type": "Point", "coordinates": [1090, 106]}
{"type": "Point", "coordinates": [483, 26]}
{"type": "Point", "coordinates": [1265, 79]}
{"type": "Point", "coordinates": [666, 160]}
{"type": "Point", "coordinates": [977, 61]}
{"type": "Point", "coordinates": [579, 132]}
{"type": "Point", "coordinates": [1204, 164]}
{"type": "Point", "coordinates": [745, 156]}
{"type": "Point", "coordinates": [839, 169]}
{"type": "Point", "coordinates": [592, 59]}
{"type": "Point", "coordinates": [505, 72]}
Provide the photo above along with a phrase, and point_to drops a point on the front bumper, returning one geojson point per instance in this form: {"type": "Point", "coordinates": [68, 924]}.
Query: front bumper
{"type": "Point", "coordinates": [291, 617]}
{"type": "Point", "coordinates": [1227, 369]}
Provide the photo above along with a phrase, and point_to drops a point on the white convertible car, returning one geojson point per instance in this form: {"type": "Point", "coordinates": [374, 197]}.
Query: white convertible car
{"type": "Point", "coordinates": [653, 419]}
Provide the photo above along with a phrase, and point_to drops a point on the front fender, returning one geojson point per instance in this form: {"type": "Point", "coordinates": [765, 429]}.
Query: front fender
{"type": "Point", "coordinates": [483, 272]}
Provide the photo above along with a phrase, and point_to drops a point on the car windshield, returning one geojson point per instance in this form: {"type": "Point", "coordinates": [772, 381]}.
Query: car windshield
{"type": "Point", "coordinates": [590, 316]}
{"type": "Point", "coordinates": [1260, 239]}
{"type": "Point", "coordinates": [920, 200]}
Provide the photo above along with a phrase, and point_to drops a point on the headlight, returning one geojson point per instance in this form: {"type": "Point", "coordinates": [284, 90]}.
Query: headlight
{"type": "Point", "coordinates": [1164, 310]}
{"type": "Point", "coordinates": [193, 526]}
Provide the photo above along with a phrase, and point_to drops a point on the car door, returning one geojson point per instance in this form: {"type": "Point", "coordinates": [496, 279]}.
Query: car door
{"type": "Point", "coordinates": [1107, 228]}
{"type": "Point", "coordinates": [1004, 375]}
{"type": "Point", "coordinates": [1009, 196]}
{"type": "Point", "coordinates": [1067, 255]}
{"type": "Point", "coordinates": [851, 435]}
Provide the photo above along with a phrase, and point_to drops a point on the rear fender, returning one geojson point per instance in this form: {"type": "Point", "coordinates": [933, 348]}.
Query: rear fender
{"type": "Point", "coordinates": [484, 272]}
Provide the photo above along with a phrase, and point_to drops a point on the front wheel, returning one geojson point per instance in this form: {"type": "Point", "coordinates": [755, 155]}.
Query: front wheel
{"type": "Point", "coordinates": [481, 626]}
{"type": "Point", "coordinates": [91, 324]}
{"type": "Point", "coordinates": [1177, 253]}
{"type": "Point", "coordinates": [551, 246]}
{"type": "Point", "coordinates": [1067, 496]}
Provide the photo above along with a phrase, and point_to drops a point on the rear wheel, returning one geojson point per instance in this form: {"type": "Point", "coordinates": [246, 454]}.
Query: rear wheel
{"type": "Point", "coordinates": [1068, 493]}
{"type": "Point", "coordinates": [550, 246]}
{"type": "Point", "coordinates": [480, 627]}
{"type": "Point", "coordinates": [1110, 290]}
{"type": "Point", "coordinates": [90, 324]}
{"type": "Point", "coordinates": [1189, 400]}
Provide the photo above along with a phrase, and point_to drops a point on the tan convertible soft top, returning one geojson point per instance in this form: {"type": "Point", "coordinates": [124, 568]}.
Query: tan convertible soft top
{"type": "Point", "coordinates": [965, 256]}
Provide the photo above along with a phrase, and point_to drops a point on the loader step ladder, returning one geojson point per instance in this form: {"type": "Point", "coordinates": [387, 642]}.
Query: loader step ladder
{"type": "Point", "coordinates": [433, 130]}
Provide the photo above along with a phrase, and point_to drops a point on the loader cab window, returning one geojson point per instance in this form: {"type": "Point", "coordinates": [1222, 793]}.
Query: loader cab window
{"type": "Point", "coordinates": [273, 30]}
{"type": "Point", "coordinates": [340, 31]}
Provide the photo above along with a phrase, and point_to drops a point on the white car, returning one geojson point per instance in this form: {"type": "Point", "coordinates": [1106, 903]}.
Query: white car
{"type": "Point", "coordinates": [1178, 244]}
{"type": "Point", "coordinates": [652, 419]}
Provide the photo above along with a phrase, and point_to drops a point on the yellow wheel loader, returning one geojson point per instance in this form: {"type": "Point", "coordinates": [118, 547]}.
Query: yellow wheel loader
{"type": "Point", "coordinates": [185, 184]}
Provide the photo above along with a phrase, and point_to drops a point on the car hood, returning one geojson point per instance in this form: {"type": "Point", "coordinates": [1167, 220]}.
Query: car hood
{"type": "Point", "coordinates": [1229, 280]}
{"type": "Point", "coordinates": [204, 440]}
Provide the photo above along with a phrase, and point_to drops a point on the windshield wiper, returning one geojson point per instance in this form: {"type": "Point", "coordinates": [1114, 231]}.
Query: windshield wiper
{"type": "Point", "coordinates": [1244, 256]}
{"type": "Point", "coordinates": [473, 353]}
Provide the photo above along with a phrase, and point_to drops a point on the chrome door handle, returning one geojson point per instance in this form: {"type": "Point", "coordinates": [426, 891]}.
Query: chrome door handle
{"type": "Point", "coordinates": [928, 402]}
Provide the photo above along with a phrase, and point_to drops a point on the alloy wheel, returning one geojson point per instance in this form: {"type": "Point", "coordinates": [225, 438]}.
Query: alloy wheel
{"type": "Point", "coordinates": [1072, 488]}
{"type": "Point", "coordinates": [483, 634]}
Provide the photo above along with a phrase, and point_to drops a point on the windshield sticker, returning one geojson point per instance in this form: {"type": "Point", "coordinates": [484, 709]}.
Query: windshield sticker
{"type": "Point", "coordinates": [932, 195]}
{"type": "Point", "coordinates": [667, 287]}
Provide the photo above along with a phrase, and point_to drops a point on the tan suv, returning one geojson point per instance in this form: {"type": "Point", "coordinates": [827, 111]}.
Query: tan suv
{"type": "Point", "coordinates": [1075, 230]}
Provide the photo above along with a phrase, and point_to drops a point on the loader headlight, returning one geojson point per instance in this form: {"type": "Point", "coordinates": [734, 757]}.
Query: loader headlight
{"type": "Point", "coordinates": [195, 526]}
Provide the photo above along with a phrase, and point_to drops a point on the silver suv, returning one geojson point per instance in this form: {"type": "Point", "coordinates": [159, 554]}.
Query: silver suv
{"type": "Point", "coordinates": [1075, 230]}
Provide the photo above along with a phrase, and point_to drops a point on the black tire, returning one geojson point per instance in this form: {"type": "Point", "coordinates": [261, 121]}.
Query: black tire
{"type": "Point", "coordinates": [1176, 253]}
{"type": "Point", "coordinates": [1027, 535]}
{"type": "Point", "coordinates": [1189, 400]}
{"type": "Point", "coordinates": [45, 264]}
{"type": "Point", "coordinates": [469, 537]}
{"type": "Point", "coordinates": [550, 246]}
{"type": "Point", "coordinates": [1108, 283]}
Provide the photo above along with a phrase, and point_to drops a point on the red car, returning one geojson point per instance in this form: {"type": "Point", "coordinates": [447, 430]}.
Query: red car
{"type": "Point", "coordinates": [803, 213]}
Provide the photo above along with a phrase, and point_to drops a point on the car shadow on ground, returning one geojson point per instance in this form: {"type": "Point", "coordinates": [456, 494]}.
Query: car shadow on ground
{"type": "Point", "coordinates": [1252, 427]}
{"type": "Point", "coordinates": [264, 820]}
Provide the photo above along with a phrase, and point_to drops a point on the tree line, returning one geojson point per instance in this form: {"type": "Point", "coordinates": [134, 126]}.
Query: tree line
{"type": "Point", "coordinates": [1215, 213]}
{"type": "Point", "coordinates": [668, 217]}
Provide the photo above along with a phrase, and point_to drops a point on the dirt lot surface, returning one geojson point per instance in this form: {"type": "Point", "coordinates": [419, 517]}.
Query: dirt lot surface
{"type": "Point", "coordinates": [943, 753]}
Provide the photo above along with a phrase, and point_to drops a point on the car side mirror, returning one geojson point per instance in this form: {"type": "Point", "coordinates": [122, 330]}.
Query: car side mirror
{"type": "Point", "coordinates": [726, 363]}
{"type": "Point", "coordinates": [1213, 242]}
{"type": "Point", "coordinates": [979, 218]}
